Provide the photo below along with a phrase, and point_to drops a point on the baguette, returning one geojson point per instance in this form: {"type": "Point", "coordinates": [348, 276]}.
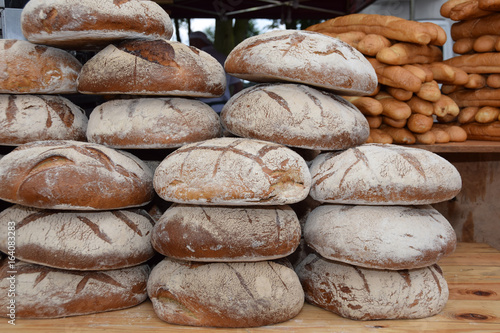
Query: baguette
{"type": "Point", "coordinates": [449, 88]}
{"type": "Point", "coordinates": [351, 37]}
{"type": "Point", "coordinates": [476, 97]}
{"type": "Point", "coordinates": [487, 114]}
{"type": "Point", "coordinates": [476, 81]}
{"type": "Point", "coordinates": [374, 121]}
{"type": "Point", "coordinates": [441, 135]}
{"type": "Point", "coordinates": [486, 25]}
{"type": "Point", "coordinates": [393, 108]}
{"type": "Point", "coordinates": [399, 135]}
{"type": "Point", "coordinates": [379, 136]}
{"type": "Point", "coordinates": [409, 53]}
{"type": "Point", "coordinates": [430, 91]}
{"type": "Point", "coordinates": [418, 105]}
{"type": "Point", "coordinates": [444, 73]}
{"type": "Point", "coordinates": [467, 115]}
{"type": "Point", "coordinates": [371, 44]}
{"type": "Point", "coordinates": [393, 122]}
{"type": "Point", "coordinates": [447, 118]}
{"type": "Point", "coordinates": [456, 133]}
{"type": "Point", "coordinates": [419, 123]}
{"type": "Point", "coordinates": [493, 5]}
{"type": "Point", "coordinates": [467, 11]}
{"type": "Point", "coordinates": [420, 71]}
{"type": "Point", "coordinates": [485, 43]}
{"type": "Point", "coordinates": [448, 5]}
{"type": "Point", "coordinates": [396, 76]}
{"type": "Point", "coordinates": [445, 105]}
{"type": "Point", "coordinates": [391, 27]}
{"type": "Point", "coordinates": [427, 138]}
{"type": "Point", "coordinates": [493, 81]}
{"type": "Point", "coordinates": [463, 45]}
{"type": "Point", "coordinates": [399, 94]}
{"type": "Point", "coordinates": [489, 132]}
{"type": "Point", "coordinates": [481, 63]}
{"type": "Point", "coordinates": [368, 106]}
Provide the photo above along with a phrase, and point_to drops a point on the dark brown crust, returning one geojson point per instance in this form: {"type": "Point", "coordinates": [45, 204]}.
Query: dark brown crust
{"type": "Point", "coordinates": [218, 242]}
{"type": "Point", "coordinates": [58, 301]}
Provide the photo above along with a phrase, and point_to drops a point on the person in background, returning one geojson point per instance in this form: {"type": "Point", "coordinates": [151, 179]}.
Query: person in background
{"type": "Point", "coordinates": [199, 40]}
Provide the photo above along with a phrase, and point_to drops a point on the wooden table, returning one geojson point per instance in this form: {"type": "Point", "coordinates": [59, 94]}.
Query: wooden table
{"type": "Point", "coordinates": [472, 272]}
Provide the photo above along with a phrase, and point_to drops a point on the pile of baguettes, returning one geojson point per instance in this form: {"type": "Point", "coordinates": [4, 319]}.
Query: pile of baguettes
{"type": "Point", "coordinates": [229, 243]}
{"type": "Point", "coordinates": [476, 36]}
{"type": "Point", "coordinates": [408, 62]}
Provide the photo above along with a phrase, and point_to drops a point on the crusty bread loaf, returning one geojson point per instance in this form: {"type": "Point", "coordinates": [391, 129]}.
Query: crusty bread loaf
{"type": "Point", "coordinates": [302, 57]}
{"type": "Point", "coordinates": [225, 294]}
{"type": "Point", "coordinates": [295, 115]}
{"type": "Point", "coordinates": [380, 237]}
{"type": "Point", "coordinates": [226, 234]}
{"type": "Point", "coordinates": [481, 63]}
{"type": "Point", "coordinates": [79, 240]}
{"type": "Point", "coordinates": [476, 97]}
{"type": "Point", "coordinates": [370, 294]}
{"type": "Point", "coordinates": [26, 118]}
{"type": "Point", "coordinates": [485, 25]}
{"type": "Point", "coordinates": [376, 174]}
{"type": "Point", "coordinates": [93, 23]}
{"type": "Point", "coordinates": [487, 132]}
{"type": "Point", "coordinates": [45, 292]}
{"type": "Point", "coordinates": [233, 171]}
{"type": "Point", "coordinates": [152, 123]}
{"type": "Point", "coordinates": [74, 175]}
{"type": "Point", "coordinates": [26, 68]}
{"type": "Point", "coordinates": [153, 67]}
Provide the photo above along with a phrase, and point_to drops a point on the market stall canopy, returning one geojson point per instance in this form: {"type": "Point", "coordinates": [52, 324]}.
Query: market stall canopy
{"type": "Point", "coordinates": [266, 9]}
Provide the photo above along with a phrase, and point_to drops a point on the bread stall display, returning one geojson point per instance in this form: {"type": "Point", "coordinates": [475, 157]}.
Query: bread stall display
{"type": "Point", "coordinates": [476, 41]}
{"type": "Point", "coordinates": [408, 61]}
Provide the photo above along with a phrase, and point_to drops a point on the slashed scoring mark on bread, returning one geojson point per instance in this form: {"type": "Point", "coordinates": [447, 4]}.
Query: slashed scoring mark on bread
{"type": "Point", "coordinates": [131, 224]}
{"type": "Point", "coordinates": [33, 217]}
{"type": "Point", "coordinates": [98, 276]}
{"type": "Point", "coordinates": [363, 277]}
{"type": "Point", "coordinates": [11, 109]}
{"type": "Point", "coordinates": [95, 228]}
{"type": "Point", "coordinates": [438, 269]}
{"type": "Point", "coordinates": [274, 271]}
{"type": "Point", "coordinates": [62, 110]}
{"type": "Point", "coordinates": [242, 281]}
{"type": "Point", "coordinates": [156, 51]}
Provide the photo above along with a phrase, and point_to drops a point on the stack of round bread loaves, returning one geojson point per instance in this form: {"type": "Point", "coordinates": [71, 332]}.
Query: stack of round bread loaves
{"type": "Point", "coordinates": [82, 236]}
{"type": "Point", "coordinates": [376, 237]}
{"type": "Point", "coordinates": [407, 58]}
{"type": "Point", "coordinates": [477, 41]}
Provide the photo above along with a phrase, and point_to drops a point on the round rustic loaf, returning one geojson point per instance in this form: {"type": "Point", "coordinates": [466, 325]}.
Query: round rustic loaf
{"type": "Point", "coordinates": [79, 240]}
{"type": "Point", "coordinates": [233, 171]}
{"type": "Point", "coordinates": [26, 68]}
{"type": "Point", "coordinates": [26, 118]}
{"type": "Point", "coordinates": [153, 67]}
{"type": "Point", "coordinates": [152, 123]}
{"type": "Point", "coordinates": [371, 294]}
{"type": "Point", "coordinates": [295, 115]}
{"type": "Point", "coordinates": [383, 174]}
{"type": "Point", "coordinates": [224, 294]}
{"type": "Point", "coordinates": [383, 237]}
{"type": "Point", "coordinates": [303, 57]}
{"type": "Point", "coordinates": [93, 23]}
{"type": "Point", "coordinates": [226, 234]}
{"type": "Point", "coordinates": [45, 292]}
{"type": "Point", "coordinates": [74, 175]}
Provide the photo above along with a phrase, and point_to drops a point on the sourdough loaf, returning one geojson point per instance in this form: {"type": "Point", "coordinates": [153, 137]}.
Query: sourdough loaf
{"type": "Point", "coordinates": [153, 67]}
{"type": "Point", "coordinates": [26, 68]}
{"type": "Point", "coordinates": [226, 234]}
{"type": "Point", "coordinates": [233, 171]}
{"type": "Point", "coordinates": [381, 174]}
{"type": "Point", "coordinates": [224, 294]}
{"type": "Point", "coordinates": [380, 237]}
{"type": "Point", "coordinates": [302, 57]}
{"type": "Point", "coordinates": [93, 23]}
{"type": "Point", "coordinates": [152, 123]}
{"type": "Point", "coordinates": [74, 175]}
{"type": "Point", "coordinates": [79, 240]}
{"type": "Point", "coordinates": [45, 292]}
{"type": "Point", "coordinates": [26, 118]}
{"type": "Point", "coordinates": [370, 294]}
{"type": "Point", "coordinates": [295, 115]}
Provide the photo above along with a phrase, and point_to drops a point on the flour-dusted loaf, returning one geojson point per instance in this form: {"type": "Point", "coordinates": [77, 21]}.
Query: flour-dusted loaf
{"type": "Point", "coordinates": [295, 115]}
{"type": "Point", "coordinates": [26, 118]}
{"type": "Point", "coordinates": [381, 237]}
{"type": "Point", "coordinates": [79, 240]}
{"type": "Point", "coordinates": [74, 175]}
{"type": "Point", "coordinates": [152, 123]}
{"type": "Point", "coordinates": [225, 294]}
{"type": "Point", "coordinates": [153, 67]}
{"type": "Point", "coordinates": [383, 174]}
{"type": "Point", "coordinates": [370, 294]}
{"type": "Point", "coordinates": [226, 234]}
{"type": "Point", "coordinates": [93, 23]}
{"type": "Point", "coordinates": [45, 292]}
{"type": "Point", "coordinates": [233, 171]}
{"type": "Point", "coordinates": [27, 68]}
{"type": "Point", "coordinates": [302, 57]}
